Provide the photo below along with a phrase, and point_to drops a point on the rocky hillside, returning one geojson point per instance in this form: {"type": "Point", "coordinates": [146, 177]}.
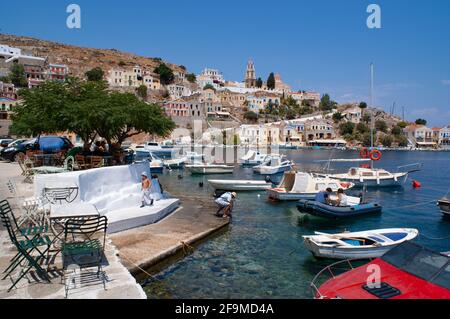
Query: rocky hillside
{"type": "Point", "coordinates": [80, 59]}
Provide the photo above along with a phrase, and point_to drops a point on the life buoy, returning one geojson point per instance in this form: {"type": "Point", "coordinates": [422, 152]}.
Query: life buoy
{"type": "Point", "coordinates": [364, 153]}
{"type": "Point", "coordinates": [375, 155]}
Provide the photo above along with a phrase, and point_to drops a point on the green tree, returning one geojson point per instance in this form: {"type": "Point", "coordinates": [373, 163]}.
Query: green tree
{"type": "Point", "coordinates": [17, 75]}
{"type": "Point", "coordinates": [142, 91]}
{"type": "Point", "coordinates": [402, 124]}
{"type": "Point", "coordinates": [94, 75]}
{"type": "Point", "coordinates": [122, 63]}
{"type": "Point", "coordinates": [362, 128]}
{"type": "Point", "coordinates": [363, 105]}
{"type": "Point", "coordinates": [191, 77]}
{"type": "Point", "coordinates": [259, 83]}
{"type": "Point", "coordinates": [396, 130]}
{"type": "Point", "coordinates": [326, 104]}
{"type": "Point", "coordinates": [165, 73]}
{"type": "Point", "coordinates": [402, 141]}
{"type": "Point", "coordinates": [271, 81]}
{"type": "Point", "coordinates": [366, 140]}
{"type": "Point", "coordinates": [387, 140]}
{"type": "Point", "coordinates": [251, 116]}
{"type": "Point", "coordinates": [366, 118]}
{"type": "Point", "coordinates": [337, 117]}
{"type": "Point", "coordinates": [421, 122]}
{"type": "Point", "coordinates": [381, 126]}
{"type": "Point", "coordinates": [346, 128]}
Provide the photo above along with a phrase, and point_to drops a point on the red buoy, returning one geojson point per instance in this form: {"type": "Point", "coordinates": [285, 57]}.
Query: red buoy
{"type": "Point", "coordinates": [416, 184]}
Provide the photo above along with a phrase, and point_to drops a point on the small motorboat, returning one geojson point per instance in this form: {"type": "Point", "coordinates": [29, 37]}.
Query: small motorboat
{"type": "Point", "coordinates": [194, 157]}
{"type": "Point", "coordinates": [275, 164]}
{"type": "Point", "coordinates": [407, 271]}
{"type": "Point", "coordinates": [444, 205]}
{"type": "Point", "coordinates": [253, 158]}
{"type": "Point", "coordinates": [239, 185]}
{"type": "Point", "coordinates": [357, 245]}
{"type": "Point", "coordinates": [371, 177]}
{"type": "Point", "coordinates": [159, 151]}
{"type": "Point", "coordinates": [336, 212]}
{"type": "Point", "coordinates": [175, 163]}
{"type": "Point", "coordinates": [210, 168]}
{"type": "Point", "coordinates": [299, 185]}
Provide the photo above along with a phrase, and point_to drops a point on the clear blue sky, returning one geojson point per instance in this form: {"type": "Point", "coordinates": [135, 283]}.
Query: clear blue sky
{"type": "Point", "coordinates": [321, 45]}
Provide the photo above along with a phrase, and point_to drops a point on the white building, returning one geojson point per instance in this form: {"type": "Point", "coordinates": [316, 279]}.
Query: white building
{"type": "Point", "coordinates": [210, 76]}
{"type": "Point", "coordinates": [444, 136]}
{"type": "Point", "coordinates": [177, 91]}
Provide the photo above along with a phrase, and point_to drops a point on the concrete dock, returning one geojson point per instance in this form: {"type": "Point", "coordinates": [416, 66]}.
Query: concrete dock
{"type": "Point", "coordinates": [133, 251]}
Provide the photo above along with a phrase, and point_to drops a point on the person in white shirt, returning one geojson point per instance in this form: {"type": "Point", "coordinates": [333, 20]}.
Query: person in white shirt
{"type": "Point", "coordinates": [225, 202]}
{"type": "Point", "coordinates": [342, 198]}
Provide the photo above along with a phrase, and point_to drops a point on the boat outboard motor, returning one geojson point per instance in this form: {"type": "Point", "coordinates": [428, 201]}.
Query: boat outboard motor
{"type": "Point", "coordinates": [200, 184]}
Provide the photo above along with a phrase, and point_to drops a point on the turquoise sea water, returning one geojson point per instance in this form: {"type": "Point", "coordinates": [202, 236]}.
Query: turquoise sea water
{"type": "Point", "coordinates": [261, 255]}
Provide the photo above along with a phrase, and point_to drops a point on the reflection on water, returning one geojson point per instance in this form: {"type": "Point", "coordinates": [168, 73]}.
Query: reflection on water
{"type": "Point", "coordinates": [262, 255]}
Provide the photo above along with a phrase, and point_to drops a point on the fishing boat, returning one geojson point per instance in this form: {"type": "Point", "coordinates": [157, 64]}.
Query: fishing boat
{"type": "Point", "coordinates": [239, 185]}
{"type": "Point", "coordinates": [175, 163]}
{"type": "Point", "coordinates": [444, 205]}
{"type": "Point", "coordinates": [253, 158]}
{"type": "Point", "coordinates": [209, 169]}
{"type": "Point", "coordinates": [354, 209]}
{"type": "Point", "coordinates": [299, 185]}
{"type": "Point", "coordinates": [357, 245]}
{"type": "Point", "coordinates": [274, 164]}
{"type": "Point", "coordinates": [407, 271]}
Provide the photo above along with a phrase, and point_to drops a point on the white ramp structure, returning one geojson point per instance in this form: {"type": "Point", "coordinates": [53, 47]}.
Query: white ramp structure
{"type": "Point", "coordinates": [115, 192]}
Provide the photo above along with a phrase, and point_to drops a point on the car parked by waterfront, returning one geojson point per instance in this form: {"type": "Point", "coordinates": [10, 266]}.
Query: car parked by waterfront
{"type": "Point", "coordinates": [47, 144]}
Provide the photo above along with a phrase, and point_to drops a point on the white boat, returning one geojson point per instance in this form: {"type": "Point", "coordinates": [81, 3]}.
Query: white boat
{"type": "Point", "coordinates": [357, 245]}
{"type": "Point", "coordinates": [371, 177]}
{"type": "Point", "coordinates": [299, 185]}
{"type": "Point", "coordinates": [193, 157]}
{"type": "Point", "coordinates": [158, 150]}
{"type": "Point", "coordinates": [239, 185]}
{"type": "Point", "coordinates": [175, 163]}
{"type": "Point", "coordinates": [253, 158]}
{"type": "Point", "coordinates": [210, 169]}
{"type": "Point", "coordinates": [274, 164]}
{"type": "Point", "coordinates": [444, 205]}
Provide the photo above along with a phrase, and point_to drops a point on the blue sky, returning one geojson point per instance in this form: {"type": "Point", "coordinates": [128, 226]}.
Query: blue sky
{"type": "Point", "coordinates": [321, 45]}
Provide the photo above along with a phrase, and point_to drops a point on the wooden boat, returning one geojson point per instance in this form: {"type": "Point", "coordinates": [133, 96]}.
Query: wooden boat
{"type": "Point", "coordinates": [210, 169]}
{"type": "Point", "coordinates": [337, 212]}
{"type": "Point", "coordinates": [357, 245]}
{"type": "Point", "coordinates": [444, 205]}
{"type": "Point", "coordinates": [274, 164]}
{"type": "Point", "coordinates": [253, 158]}
{"type": "Point", "coordinates": [408, 271]}
{"type": "Point", "coordinates": [239, 185]}
{"type": "Point", "coordinates": [299, 185]}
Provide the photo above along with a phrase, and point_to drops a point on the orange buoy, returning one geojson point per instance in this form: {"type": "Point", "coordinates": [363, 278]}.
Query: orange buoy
{"type": "Point", "coordinates": [375, 155]}
{"type": "Point", "coordinates": [416, 184]}
{"type": "Point", "coordinates": [364, 152]}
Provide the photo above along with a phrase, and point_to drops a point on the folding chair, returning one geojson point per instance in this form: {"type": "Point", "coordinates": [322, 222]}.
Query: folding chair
{"type": "Point", "coordinates": [83, 247]}
{"type": "Point", "coordinates": [96, 162]}
{"type": "Point", "coordinates": [28, 250]}
{"type": "Point", "coordinates": [80, 161]}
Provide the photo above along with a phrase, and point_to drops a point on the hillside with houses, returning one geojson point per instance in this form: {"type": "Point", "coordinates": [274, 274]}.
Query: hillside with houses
{"type": "Point", "coordinates": [258, 109]}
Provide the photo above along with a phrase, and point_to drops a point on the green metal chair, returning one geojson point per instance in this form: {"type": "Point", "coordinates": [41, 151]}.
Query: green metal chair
{"type": "Point", "coordinates": [28, 250]}
{"type": "Point", "coordinates": [83, 247]}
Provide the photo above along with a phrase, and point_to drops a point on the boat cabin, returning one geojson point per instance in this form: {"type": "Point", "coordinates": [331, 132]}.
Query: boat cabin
{"type": "Point", "coordinates": [300, 182]}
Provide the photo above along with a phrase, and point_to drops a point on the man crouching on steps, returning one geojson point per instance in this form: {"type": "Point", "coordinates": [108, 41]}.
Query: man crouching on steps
{"type": "Point", "coordinates": [225, 202]}
{"type": "Point", "coordinates": [147, 199]}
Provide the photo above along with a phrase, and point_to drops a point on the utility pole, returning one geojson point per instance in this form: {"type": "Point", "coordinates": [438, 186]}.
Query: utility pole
{"type": "Point", "coordinates": [403, 113]}
{"type": "Point", "coordinates": [371, 105]}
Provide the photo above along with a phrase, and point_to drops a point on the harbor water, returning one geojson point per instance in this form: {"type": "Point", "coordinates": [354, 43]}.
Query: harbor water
{"type": "Point", "coordinates": [261, 255]}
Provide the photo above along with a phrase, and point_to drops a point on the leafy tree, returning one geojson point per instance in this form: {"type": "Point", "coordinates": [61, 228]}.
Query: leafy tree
{"type": "Point", "coordinates": [381, 126]}
{"type": "Point", "coordinates": [365, 138]}
{"type": "Point", "coordinates": [259, 83]}
{"type": "Point", "coordinates": [337, 117]}
{"type": "Point", "coordinates": [271, 81]}
{"type": "Point", "coordinates": [183, 67]}
{"type": "Point", "coordinates": [387, 140]}
{"type": "Point", "coordinates": [362, 128]}
{"type": "Point", "coordinates": [396, 130]}
{"type": "Point", "coordinates": [142, 91]}
{"type": "Point", "coordinates": [291, 113]}
{"type": "Point", "coordinates": [94, 75]}
{"type": "Point", "coordinates": [209, 86]}
{"type": "Point", "coordinates": [326, 104]}
{"type": "Point", "coordinates": [17, 75]}
{"type": "Point", "coordinates": [347, 128]}
{"type": "Point", "coordinates": [366, 118]}
{"type": "Point", "coordinates": [402, 141]}
{"type": "Point", "coordinates": [363, 105]}
{"type": "Point", "coordinates": [122, 63]}
{"type": "Point", "coordinates": [421, 122]}
{"type": "Point", "coordinates": [165, 73]}
{"type": "Point", "coordinates": [191, 77]}
{"type": "Point", "coordinates": [402, 124]}
{"type": "Point", "coordinates": [251, 116]}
